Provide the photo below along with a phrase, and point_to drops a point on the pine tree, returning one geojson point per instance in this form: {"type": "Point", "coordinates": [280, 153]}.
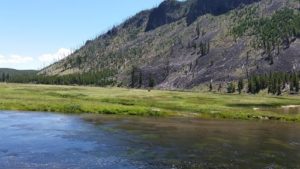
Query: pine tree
{"type": "Point", "coordinates": [3, 77]}
{"type": "Point", "coordinates": [7, 77]}
{"type": "Point", "coordinates": [220, 87]}
{"type": "Point", "coordinates": [151, 82]}
{"type": "Point", "coordinates": [259, 83]}
{"type": "Point", "coordinates": [231, 88]}
{"type": "Point", "coordinates": [279, 87]}
{"type": "Point", "coordinates": [275, 85]}
{"type": "Point", "coordinates": [133, 77]}
{"type": "Point", "coordinates": [251, 86]}
{"type": "Point", "coordinates": [210, 86]}
{"type": "Point", "coordinates": [297, 83]}
{"type": "Point", "coordinates": [140, 79]}
{"type": "Point", "coordinates": [240, 86]}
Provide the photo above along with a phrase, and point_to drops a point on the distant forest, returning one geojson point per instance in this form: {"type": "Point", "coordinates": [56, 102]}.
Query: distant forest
{"type": "Point", "coordinates": [103, 78]}
{"type": "Point", "coordinates": [275, 83]}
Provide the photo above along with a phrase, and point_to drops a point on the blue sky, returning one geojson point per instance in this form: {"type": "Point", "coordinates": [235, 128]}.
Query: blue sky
{"type": "Point", "coordinates": [34, 33]}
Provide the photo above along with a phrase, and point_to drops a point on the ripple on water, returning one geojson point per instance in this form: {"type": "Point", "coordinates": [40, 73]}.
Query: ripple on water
{"type": "Point", "coordinates": [45, 140]}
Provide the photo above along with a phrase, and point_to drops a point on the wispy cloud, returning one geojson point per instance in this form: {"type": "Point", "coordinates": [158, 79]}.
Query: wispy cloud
{"type": "Point", "coordinates": [14, 59]}
{"type": "Point", "coordinates": [37, 62]}
{"type": "Point", "coordinates": [49, 58]}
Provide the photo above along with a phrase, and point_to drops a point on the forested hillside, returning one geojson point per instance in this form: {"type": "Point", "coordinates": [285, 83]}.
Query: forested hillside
{"type": "Point", "coordinates": [189, 43]}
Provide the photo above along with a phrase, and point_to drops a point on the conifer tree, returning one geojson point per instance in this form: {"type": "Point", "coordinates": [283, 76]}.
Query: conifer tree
{"type": "Point", "coordinates": [279, 87]}
{"type": "Point", "coordinates": [3, 77]}
{"type": "Point", "coordinates": [151, 82]}
{"type": "Point", "coordinates": [133, 77]}
{"type": "Point", "coordinates": [210, 86]}
{"type": "Point", "coordinates": [240, 86]}
{"type": "Point", "coordinates": [140, 79]}
{"type": "Point", "coordinates": [231, 88]}
{"type": "Point", "coordinates": [220, 87]}
{"type": "Point", "coordinates": [7, 77]}
{"type": "Point", "coordinates": [296, 83]}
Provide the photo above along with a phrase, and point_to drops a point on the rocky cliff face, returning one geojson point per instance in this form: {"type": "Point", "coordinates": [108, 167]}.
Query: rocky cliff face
{"type": "Point", "coordinates": [184, 44]}
{"type": "Point", "coordinates": [167, 12]}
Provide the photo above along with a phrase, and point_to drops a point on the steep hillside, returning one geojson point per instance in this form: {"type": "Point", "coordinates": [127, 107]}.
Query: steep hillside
{"type": "Point", "coordinates": [184, 44]}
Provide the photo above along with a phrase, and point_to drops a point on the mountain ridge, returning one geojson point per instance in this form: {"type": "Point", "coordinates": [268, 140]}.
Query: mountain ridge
{"type": "Point", "coordinates": [176, 52]}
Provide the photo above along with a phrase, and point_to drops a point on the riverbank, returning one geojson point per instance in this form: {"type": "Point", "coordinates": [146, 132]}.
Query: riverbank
{"type": "Point", "coordinates": [120, 101]}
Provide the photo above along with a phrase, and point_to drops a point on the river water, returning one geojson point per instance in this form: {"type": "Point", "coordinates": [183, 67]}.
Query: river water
{"type": "Point", "coordinates": [54, 141]}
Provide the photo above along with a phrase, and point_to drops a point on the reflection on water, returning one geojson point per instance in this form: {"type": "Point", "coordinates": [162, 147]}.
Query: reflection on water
{"type": "Point", "coordinates": [41, 140]}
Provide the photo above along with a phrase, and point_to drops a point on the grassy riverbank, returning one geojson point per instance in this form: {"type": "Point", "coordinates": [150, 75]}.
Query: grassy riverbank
{"type": "Point", "coordinates": [69, 99]}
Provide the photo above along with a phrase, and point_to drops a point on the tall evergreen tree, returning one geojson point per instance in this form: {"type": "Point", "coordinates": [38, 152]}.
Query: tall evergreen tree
{"type": "Point", "coordinates": [151, 82]}
{"type": "Point", "coordinates": [240, 86]}
{"type": "Point", "coordinates": [231, 88]}
{"type": "Point", "coordinates": [140, 79]}
{"type": "Point", "coordinates": [132, 85]}
{"type": "Point", "coordinates": [3, 77]}
{"type": "Point", "coordinates": [279, 87]}
{"type": "Point", "coordinates": [296, 83]}
{"type": "Point", "coordinates": [7, 77]}
{"type": "Point", "coordinates": [220, 87]}
{"type": "Point", "coordinates": [210, 86]}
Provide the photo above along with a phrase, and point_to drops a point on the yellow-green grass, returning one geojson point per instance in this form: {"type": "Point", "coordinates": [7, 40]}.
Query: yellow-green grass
{"type": "Point", "coordinates": [71, 99]}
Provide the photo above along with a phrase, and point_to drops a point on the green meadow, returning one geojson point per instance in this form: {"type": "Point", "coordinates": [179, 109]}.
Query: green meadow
{"type": "Point", "coordinates": [121, 101]}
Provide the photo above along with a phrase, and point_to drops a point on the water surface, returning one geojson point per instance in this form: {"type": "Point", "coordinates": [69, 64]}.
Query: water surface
{"type": "Point", "coordinates": [50, 141]}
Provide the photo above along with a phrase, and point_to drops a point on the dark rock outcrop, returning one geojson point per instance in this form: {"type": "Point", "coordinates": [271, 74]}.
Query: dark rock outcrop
{"type": "Point", "coordinates": [215, 7]}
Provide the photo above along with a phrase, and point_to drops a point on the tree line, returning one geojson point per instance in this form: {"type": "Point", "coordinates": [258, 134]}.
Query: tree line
{"type": "Point", "coordinates": [275, 83]}
{"type": "Point", "coordinates": [102, 78]}
{"type": "Point", "coordinates": [4, 77]}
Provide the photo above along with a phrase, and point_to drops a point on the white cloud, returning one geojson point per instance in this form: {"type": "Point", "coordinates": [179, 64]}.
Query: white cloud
{"type": "Point", "coordinates": [14, 60]}
{"type": "Point", "coordinates": [47, 59]}
{"type": "Point", "coordinates": [39, 62]}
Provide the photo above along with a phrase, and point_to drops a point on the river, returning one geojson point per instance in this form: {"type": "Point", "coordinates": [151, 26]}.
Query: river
{"type": "Point", "coordinates": [55, 141]}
